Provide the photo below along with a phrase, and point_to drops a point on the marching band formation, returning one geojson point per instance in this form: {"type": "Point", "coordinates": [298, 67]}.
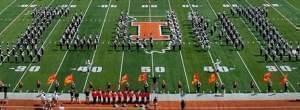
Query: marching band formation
{"type": "Point", "coordinates": [28, 43]}
{"type": "Point", "coordinates": [274, 45]}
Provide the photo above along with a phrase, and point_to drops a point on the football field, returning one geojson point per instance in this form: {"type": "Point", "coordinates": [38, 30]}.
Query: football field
{"type": "Point", "coordinates": [109, 65]}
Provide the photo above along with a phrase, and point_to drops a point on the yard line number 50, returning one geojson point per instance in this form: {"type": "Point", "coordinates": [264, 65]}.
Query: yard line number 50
{"type": "Point", "coordinates": [282, 68]}
{"type": "Point", "coordinates": [30, 69]}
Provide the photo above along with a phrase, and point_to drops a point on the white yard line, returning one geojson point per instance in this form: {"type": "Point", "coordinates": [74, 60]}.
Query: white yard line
{"type": "Point", "coordinates": [122, 59]}
{"type": "Point", "coordinates": [62, 61]}
{"type": "Point", "coordinates": [150, 19]}
{"type": "Point", "coordinates": [152, 57]}
{"type": "Point", "coordinates": [26, 70]}
{"type": "Point", "coordinates": [128, 9]}
{"type": "Point", "coordinates": [238, 53]}
{"type": "Point", "coordinates": [7, 6]}
{"type": "Point", "coordinates": [184, 70]}
{"type": "Point", "coordinates": [148, 16]}
{"type": "Point", "coordinates": [15, 19]}
{"type": "Point", "coordinates": [290, 83]}
{"type": "Point", "coordinates": [291, 5]}
{"type": "Point", "coordinates": [181, 57]}
{"type": "Point", "coordinates": [250, 73]}
{"type": "Point", "coordinates": [9, 26]}
{"type": "Point", "coordinates": [279, 13]}
{"type": "Point", "coordinates": [152, 64]}
{"type": "Point", "coordinates": [121, 70]}
{"type": "Point", "coordinates": [212, 60]}
{"type": "Point", "coordinates": [95, 51]}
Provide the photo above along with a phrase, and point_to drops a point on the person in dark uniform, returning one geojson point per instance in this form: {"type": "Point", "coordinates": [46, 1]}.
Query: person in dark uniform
{"type": "Point", "coordinates": [146, 86]}
{"type": "Point", "coordinates": [127, 86]}
{"type": "Point", "coordinates": [20, 86]}
{"type": "Point", "coordinates": [108, 85]}
{"type": "Point", "coordinates": [154, 81]}
{"type": "Point", "coordinates": [155, 102]}
{"type": "Point", "coordinates": [128, 45]}
{"type": "Point", "coordinates": [252, 86]}
{"type": "Point", "coordinates": [163, 86]}
{"type": "Point", "coordinates": [269, 84]}
{"type": "Point", "coordinates": [137, 44]}
{"type": "Point", "coordinates": [223, 89]}
{"type": "Point", "coordinates": [91, 85]}
{"type": "Point", "coordinates": [73, 86]}
{"type": "Point", "coordinates": [151, 43]}
{"type": "Point", "coordinates": [234, 86]}
{"type": "Point", "coordinates": [182, 104]}
{"type": "Point", "coordinates": [76, 95]}
{"type": "Point", "coordinates": [56, 86]}
{"type": "Point", "coordinates": [38, 85]}
{"type": "Point", "coordinates": [216, 86]}
{"type": "Point", "coordinates": [72, 95]}
{"type": "Point", "coordinates": [179, 86]}
{"type": "Point", "coordinates": [1, 58]}
{"type": "Point", "coordinates": [285, 86]}
{"type": "Point", "coordinates": [87, 96]}
{"type": "Point", "coordinates": [198, 86]}
{"type": "Point", "coordinates": [16, 58]}
{"type": "Point", "coordinates": [5, 89]}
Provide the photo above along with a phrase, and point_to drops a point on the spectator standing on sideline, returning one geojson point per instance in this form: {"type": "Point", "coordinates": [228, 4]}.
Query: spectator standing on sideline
{"type": "Point", "coordinates": [155, 102]}
{"type": "Point", "coordinates": [182, 104]}
{"type": "Point", "coordinates": [76, 97]}
{"type": "Point", "coordinates": [72, 95]}
{"type": "Point", "coordinates": [87, 96]}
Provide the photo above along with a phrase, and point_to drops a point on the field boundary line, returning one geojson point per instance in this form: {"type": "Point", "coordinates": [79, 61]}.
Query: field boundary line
{"type": "Point", "coordinates": [148, 16]}
{"type": "Point", "coordinates": [257, 41]}
{"type": "Point", "coordinates": [292, 5]}
{"type": "Point", "coordinates": [288, 20]}
{"type": "Point", "coordinates": [56, 73]}
{"type": "Point", "coordinates": [209, 53]}
{"type": "Point", "coordinates": [7, 7]}
{"type": "Point", "coordinates": [9, 26]}
{"type": "Point", "coordinates": [49, 35]}
{"type": "Point", "coordinates": [95, 51]}
{"type": "Point", "coordinates": [121, 70]}
{"type": "Point", "coordinates": [123, 53]}
{"type": "Point", "coordinates": [12, 22]}
{"type": "Point", "coordinates": [238, 53]}
{"type": "Point", "coordinates": [181, 58]}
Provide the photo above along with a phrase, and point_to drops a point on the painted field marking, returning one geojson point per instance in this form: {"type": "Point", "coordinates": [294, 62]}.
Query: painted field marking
{"type": "Point", "coordinates": [261, 44]}
{"type": "Point", "coordinates": [181, 57]}
{"type": "Point", "coordinates": [151, 6]}
{"type": "Point", "coordinates": [26, 5]}
{"type": "Point", "coordinates": [71, 6]}
{"type": "Point", "coordinates": [57, 71]}
{"type": "Point", "coordinates": [238, 53]}
{"type": "Point", "coordinates": [278, 13]}
{"type": "Point", "coordinates": [25, 72]}
{"type": "Point", "coordinates": [122, 58]}
{"type": "Point", "coordinates": [7, 7]}
{"type": "Point", "coordinates": [95, 51]}
{"type": "Point", "coordinates": [15, 19]}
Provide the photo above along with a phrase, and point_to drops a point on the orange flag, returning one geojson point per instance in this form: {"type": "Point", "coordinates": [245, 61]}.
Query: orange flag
{"type": "Point", "coordinates": [124, 79]}
{"type": "Point", "coordinates": [51, 78]}
{"type": "Point", "coordinates": [267, 76]}
{"type": "Point", "coordinates": [69, 79]}
{"type": "Point", "coordinates": [212, 78]}
{"type": "Point", "coordinates": [143, 77]}
{"type": "Point", "coordinates": [284, 79]}
{"type": "Point", "coordinates": [195, 78]}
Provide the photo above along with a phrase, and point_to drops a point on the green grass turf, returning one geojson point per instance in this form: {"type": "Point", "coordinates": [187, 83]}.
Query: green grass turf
{"type": "Point", "coordinates": [111, 61]}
